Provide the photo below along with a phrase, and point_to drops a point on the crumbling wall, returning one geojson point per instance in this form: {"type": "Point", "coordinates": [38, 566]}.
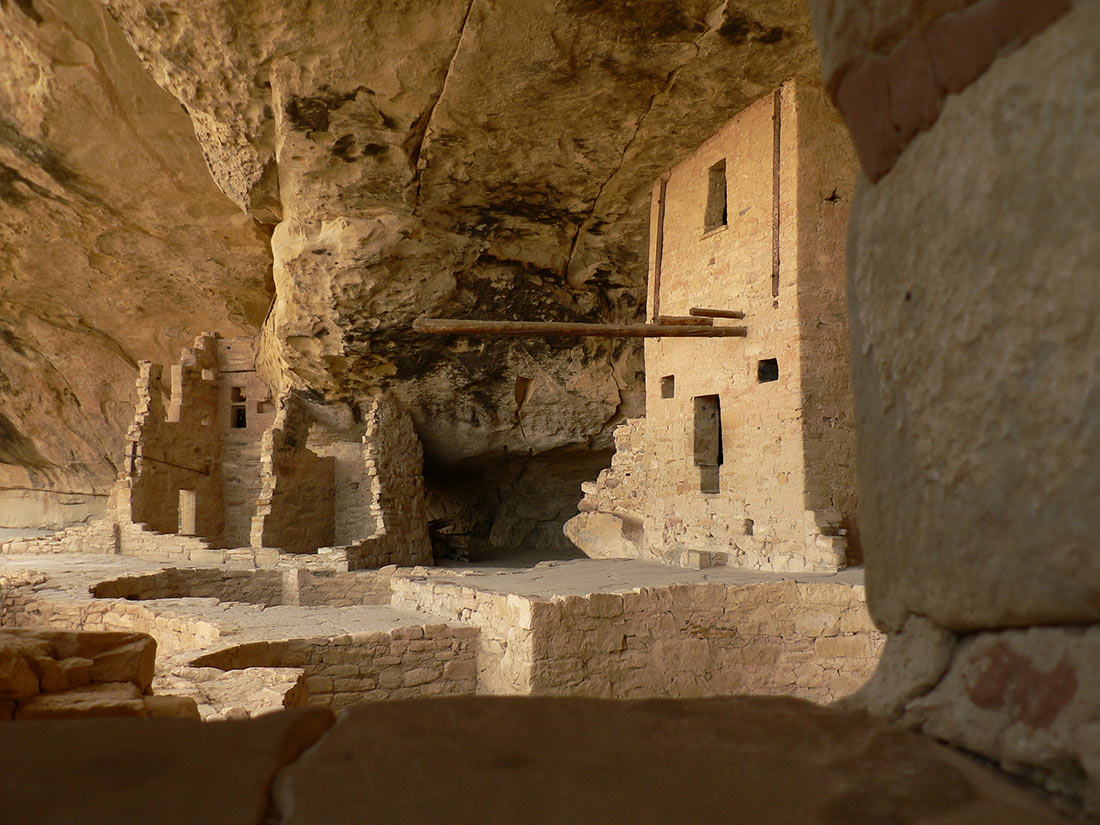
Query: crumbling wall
{"type": "Point", "coordinates": [295, 510]}
{"type": "Point", "coordinates": [394, 463]}
{"type": "Point", "coordinates": [174, 447]}
{"type": "Point", "coordinates": [245, 412]}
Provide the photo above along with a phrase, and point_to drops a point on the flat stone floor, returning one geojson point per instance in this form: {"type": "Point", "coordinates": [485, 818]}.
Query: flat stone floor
{"type": "Point", "coordinates": [585, 576]}
{"type": "Point", "coordinates": [70, 576]}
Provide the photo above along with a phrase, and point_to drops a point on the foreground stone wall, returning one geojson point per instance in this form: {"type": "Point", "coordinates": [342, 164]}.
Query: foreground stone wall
{"type": "Point", "coordinates": [973, 298]}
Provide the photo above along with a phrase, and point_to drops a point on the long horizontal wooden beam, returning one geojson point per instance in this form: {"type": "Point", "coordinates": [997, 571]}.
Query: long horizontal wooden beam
{"type": "Point", "coordinates": [684, 319]}
{"type": "Point", "coordinates": [458, 326]}
{"type": "Point", "coordinates": [703, 312]}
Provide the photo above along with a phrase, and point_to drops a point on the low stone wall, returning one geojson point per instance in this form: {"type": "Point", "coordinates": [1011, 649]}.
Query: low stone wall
{"type": "Point", "coordinates": [504, 622]}
{"type": "Point", "coordinates": [813, 640]}
{"type": "Point", "coordinates": [96, 537]}
{"type": "Point", "coordinates": [267, 587]}
{"type": "Point", "coordinates": [404, 663]}
{"type": "Point", "coordinates": [23, 607]}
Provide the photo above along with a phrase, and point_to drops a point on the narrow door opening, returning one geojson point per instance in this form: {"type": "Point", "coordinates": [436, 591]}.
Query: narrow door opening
{"type": "Point", "coordinates": [238, 408]}
{"type": "Point", "coordinates": [708, 441]}
{"type": "Point", "coordinates": [188, 510]}
{"type": "Point", "coordinates": [716, 215]}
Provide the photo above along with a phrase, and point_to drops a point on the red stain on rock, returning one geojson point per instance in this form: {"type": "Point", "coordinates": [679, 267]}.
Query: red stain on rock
{"type": "Point", "coordinates": [1007, 681]}
{"type": "Point", "coordinates": [886, 99]}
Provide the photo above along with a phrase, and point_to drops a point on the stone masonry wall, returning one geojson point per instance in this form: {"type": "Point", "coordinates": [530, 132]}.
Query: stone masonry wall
{"type": "Point", "coordinates": [503, 621]}
{"type": "Point", "coordinates": [295, 510]}
{"type": "Point", "coordinates": [174, 448]}
{"type": "Point", "coordinates": [240, 446]}
{"type": "Point", "coordinates": [93, 538]}
{"type": "Point", "coordinates": [267, 587]}
{"type": "Point", "coordinates": [404, 663]}
{"type": "Point", "coordinates": [780, 492]}
{"type": "Point", "coordinates": [394, 463]}
{"type": "Point", "coordinates": [174, 632]}
{"type": "Point", "coordinates": [813, 640]}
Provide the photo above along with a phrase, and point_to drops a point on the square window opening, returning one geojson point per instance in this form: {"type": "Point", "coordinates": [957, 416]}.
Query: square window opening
{"type": "Point", "coordinates": [668, 386]}
{"type": "Point", "coordinates": [717, 211]}
{"type": "Point", "coordinates": [767, 370]}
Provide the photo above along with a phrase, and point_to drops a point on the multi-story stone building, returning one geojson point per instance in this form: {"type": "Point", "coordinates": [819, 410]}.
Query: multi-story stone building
{"type": "Point", "coordinates": [745, 455]}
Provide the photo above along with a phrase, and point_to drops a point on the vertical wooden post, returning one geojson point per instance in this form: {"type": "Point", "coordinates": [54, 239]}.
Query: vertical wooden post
{"type": "Point", "coordinates": [659, 250]}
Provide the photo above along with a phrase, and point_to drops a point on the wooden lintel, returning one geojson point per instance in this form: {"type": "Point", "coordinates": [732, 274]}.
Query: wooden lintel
{"type": "Point", "coordinates": [703, 312]}
{"type": "Point", "coordinates": [459, 326]}
{"type": "Point", "coordinates": [685, 320]}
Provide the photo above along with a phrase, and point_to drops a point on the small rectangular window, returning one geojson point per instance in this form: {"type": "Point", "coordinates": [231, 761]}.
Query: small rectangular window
{"type": "Point", "coordinates": [716, 215]}
{"type": "Point", "coordinates": [767, 370]}
{"type": "Point", "coordinates": [668, 386]}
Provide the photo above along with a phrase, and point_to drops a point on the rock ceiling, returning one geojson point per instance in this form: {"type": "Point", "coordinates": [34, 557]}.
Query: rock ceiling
{"type": "Point", "coordinates": [325, 173]}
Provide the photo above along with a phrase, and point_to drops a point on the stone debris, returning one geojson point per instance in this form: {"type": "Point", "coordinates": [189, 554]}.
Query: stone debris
{"type": "Point", "coordinates": [48, 674]}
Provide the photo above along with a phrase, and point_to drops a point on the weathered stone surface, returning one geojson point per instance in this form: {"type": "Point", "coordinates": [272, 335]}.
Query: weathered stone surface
{"type": "Point", "coordinates": [506, 761]}
{"type": "Point", "coordinates": [601, 536]}
{"type": "Point", "coordinates": [171, 707]}
{"type": "Point", "coordinates": [121, 770]}
{"type": "Point", "coordinates": [63, 659]}
{"type": "Point", "coordinates": [912, 662]}
{"type": "Point", "coordinates": [114, 243]}
{"type": "Point", "coordinates": [258, 690]}
{"type": "Point", "coordinates": [1027, 700]}
{"type": "Point", "coordinates": [889, 65]}
{"type": "Point", "coordinates": [97, 700]}
{"type": "Point", "coordinates": [17, 679]}
{"type": "Point", "coordinates": [975, 353]}
{"type": "Point", "coordinates": [116, 657]}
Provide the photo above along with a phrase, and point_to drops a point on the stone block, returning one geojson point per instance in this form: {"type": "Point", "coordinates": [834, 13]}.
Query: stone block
{"type": "Point", "coordinates": [956, 520]}
{"type": "Point", "coordinates": [17, 679]}
{"type": "Point", "coordinates": [100, 699]}
{"type": "Point", "coordinates": [171, 707]}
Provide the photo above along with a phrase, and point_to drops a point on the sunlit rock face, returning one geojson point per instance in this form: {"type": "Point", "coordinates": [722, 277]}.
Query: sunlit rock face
{"type": "Point", "coordinates": [382, 161]}
{"type": "Point", "coordinates": [115, 245]}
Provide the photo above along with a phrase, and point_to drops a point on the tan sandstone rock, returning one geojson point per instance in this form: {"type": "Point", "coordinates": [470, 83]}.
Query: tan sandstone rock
{"type": "Point", "coordinates": [974, 353]}
{"type": "Point", "coordinates": [171, 771]}
{"type": "Point", "coordinates": [743, 760]}
{"type": "Point", "coordinates": [100, 699]}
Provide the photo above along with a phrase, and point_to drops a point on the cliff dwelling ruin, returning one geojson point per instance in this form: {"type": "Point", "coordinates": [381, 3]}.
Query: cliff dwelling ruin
{"type": "Point", "coordinates": [391, 393]}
